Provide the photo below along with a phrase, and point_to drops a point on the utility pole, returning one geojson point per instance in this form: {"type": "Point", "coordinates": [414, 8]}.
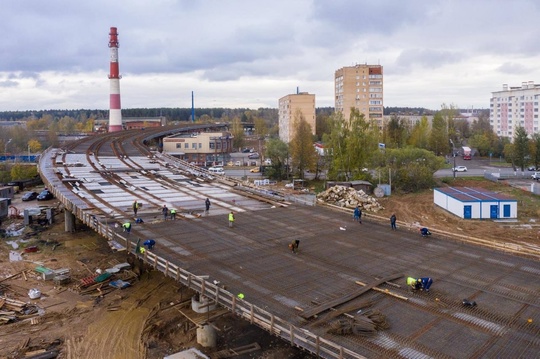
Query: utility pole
{"type": "Point", "coordinates": [453, 155]}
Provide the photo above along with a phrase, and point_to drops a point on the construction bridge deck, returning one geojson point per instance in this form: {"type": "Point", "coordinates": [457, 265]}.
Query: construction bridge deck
{"type": "Point", "coordinates": [299, 297]}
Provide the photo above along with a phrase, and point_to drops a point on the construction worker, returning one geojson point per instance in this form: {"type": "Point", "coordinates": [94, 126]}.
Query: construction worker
{"type": "Point", "coordinates": [173, 214]}
{"type": "Point", "coordinates": [293, 246]}
{"type": "Point", "coordinates": [149, 243]}
{"type": "Point", "coordinates": [231, 219]}
{"type": "Point", "coordinates": [425, 232]}
{"type": "Point", "coordinates": [165, 212]}
{"type": "Point", "coordinates": [127, 227]}
{"type": "Point", "coordinates": [135, 207]}
{"type": "Point", "coordinates": [420, 283]}
{"type": "Point", "coordinates": [207, 204]}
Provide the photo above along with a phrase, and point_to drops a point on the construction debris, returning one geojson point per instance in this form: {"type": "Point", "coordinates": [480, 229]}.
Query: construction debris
{"type": "Point", "coordinates": [348, 197]}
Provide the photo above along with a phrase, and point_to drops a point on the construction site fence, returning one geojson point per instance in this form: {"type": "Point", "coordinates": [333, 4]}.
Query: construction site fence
{"type": "Point", "coordinates": [277, 326]}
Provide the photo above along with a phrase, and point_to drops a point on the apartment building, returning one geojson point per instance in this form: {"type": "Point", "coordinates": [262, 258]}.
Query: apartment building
{"type": "Point", "coordinates": [513, 107]}
{"type": "Point", "coordinates": [289, 106]}
{"type": "Point", "coordinates": [360, 87]}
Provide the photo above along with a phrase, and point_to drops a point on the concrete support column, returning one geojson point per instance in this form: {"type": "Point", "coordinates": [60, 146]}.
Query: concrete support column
{"type": "Point", "coordinates": [69, 220]}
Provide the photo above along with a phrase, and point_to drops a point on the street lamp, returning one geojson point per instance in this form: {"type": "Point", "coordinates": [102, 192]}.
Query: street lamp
{"type": "Point", "coordinates": [453, 155]}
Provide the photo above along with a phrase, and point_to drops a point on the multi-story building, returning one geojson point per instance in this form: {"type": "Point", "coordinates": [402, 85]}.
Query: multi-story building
{"type": "Point", "coordinates": [513, 107]}
{"type": "Point", "coordinates": [360, 87]}
{"type": "Point", "coordinates": [290, 107]}
{"type": "Point", "coordinates": [203, 148]}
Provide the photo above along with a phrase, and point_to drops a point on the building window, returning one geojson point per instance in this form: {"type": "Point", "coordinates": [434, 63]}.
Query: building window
{"type": "Point", "coordinates": [194, 146]}
{"type": "Point", "coordinates": [178, 145]}
{"type": "Point", "coordinates": [212, 145]}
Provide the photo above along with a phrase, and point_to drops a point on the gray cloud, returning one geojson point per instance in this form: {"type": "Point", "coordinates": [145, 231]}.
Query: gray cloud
{"type": "Point", "coordinates": [513, 68]}
{"type": "Point", "coordinates": [264, 46]}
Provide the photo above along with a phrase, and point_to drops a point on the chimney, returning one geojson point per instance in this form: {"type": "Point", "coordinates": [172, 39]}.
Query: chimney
{"type": "Point", "coordinates": [115, 112]}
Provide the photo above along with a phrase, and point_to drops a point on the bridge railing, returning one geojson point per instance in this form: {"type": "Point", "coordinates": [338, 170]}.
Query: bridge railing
{"type": "Point", "coordinates": [277, 326]}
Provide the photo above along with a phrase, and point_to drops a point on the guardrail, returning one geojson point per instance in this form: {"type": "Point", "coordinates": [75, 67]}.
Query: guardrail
{"type": "Point", "coordinates": [277, 326]}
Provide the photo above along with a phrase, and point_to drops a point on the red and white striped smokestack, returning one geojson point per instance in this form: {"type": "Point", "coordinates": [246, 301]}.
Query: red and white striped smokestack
{"type": "Point", "coordinates": [115, 113]}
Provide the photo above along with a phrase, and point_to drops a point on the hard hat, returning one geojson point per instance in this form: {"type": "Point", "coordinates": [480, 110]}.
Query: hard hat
{"type": "Point", "coordinates": [241, 295]}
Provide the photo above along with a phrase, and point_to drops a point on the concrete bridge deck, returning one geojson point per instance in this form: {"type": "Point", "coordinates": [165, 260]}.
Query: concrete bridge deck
{"type": "Point", "coordinates": [252, 258]}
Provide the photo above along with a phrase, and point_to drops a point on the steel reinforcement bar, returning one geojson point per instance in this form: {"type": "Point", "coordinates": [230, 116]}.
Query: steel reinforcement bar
{"type": "Point", "coordinates": [275, 325]}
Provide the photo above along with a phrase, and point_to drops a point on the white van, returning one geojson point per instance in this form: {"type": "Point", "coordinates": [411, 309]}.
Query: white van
{"type": "Point", "coordinates": [217, 170]}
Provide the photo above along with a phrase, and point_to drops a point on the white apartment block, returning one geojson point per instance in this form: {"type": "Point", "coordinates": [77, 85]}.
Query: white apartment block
{"type": "Point", "coordinates": [360, 87]}
{"type": "Point", "coordinates": [513, 107]}
{"type": "Point", "coordinates": [288, 107]}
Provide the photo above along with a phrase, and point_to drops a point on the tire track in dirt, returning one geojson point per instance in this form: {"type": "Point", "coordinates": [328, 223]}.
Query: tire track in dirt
{"type": "Point", "coordinates": [117, 334]}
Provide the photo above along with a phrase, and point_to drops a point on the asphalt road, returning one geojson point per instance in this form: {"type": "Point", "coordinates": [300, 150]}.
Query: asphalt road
{"type": "Point", "coordinates": [478, 167]}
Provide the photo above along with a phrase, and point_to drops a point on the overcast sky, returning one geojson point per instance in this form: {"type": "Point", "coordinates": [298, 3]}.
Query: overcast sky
{"type": "Point", "coordinates": [236, 54]}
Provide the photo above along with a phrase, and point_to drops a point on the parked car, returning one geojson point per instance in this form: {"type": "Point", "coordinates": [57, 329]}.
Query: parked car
{"type": "Point", "coordinates": [253, 156]}
{"type": "Point", "coordinates": [459, 169]}
{"type": "Point", "coordinates": [29, 196]}
{"type": "Point", "coordinates": [536, 176]}
{"type": "Point", "coordinates": [45, 195]}
{"type": "Point", "coordinates": [532, 168]}
{"type": "Point", "coordinates": [255, 170]}
{"type": "Point", "coordinates": [217, 170]}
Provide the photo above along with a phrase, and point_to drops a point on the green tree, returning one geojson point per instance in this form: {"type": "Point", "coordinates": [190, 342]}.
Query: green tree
{"type": "Point", "coordinates": [21, 172]}
{"type": "Point", "coordinates": [323, 125]}
{"type": "Point", "coordinates": [411, 169]}
{"type": "Point", "coordinates": [420, 134]}
{"type": "Point", "coordinates": [361, 144]}
{"type": "Point", "coordinates": [535, 150]}
{"type": "Point", "coordinates": [303, 155]}
{"type": "Point", "coordinates": [336, 143]}
{"type": "Point", "coordinates": [521, 147]}
{"type": "Point", "coordinates": [481, 142]}
{"type": "Point", "coordinates": [278, 152]}
{"type": "Point", "coordinates": [351, 146]}
{"type": "Point", "coordinates": [395, 132]}
{"type": "Point", "coordinates": [510, 153]}
{"type": "Point", "coordinates": [449, 113]}
{"type": "Point", "coordinates": [438, 139]}
{"type": "Point", "coordinates": [67, 125]}
{"type": "Point", "coordinates": [34, 146]}
{"type": "Point", "coordinates": [238, 134]}
{"type": "Point", "coordinates": [261, 130]}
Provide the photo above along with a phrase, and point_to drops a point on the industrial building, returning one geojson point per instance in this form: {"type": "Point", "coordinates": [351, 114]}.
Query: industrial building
{"type": "Point", "coordinates": [202, 148]}
{"type": "Point", "coordinates": [360, 87]}
{"type": "Point", "coordinates": [475, 203]}
{"type": "Point", "coordinates": [513, 107]}
{"type": "Point", "coordinates": [290, 107]}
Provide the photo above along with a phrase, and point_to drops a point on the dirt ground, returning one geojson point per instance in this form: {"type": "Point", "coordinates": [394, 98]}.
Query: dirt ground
{"type": "Point", "coordinates": [143, 320]}
{"type": "Point", "coordinates": [148, 318]}
{"type": "Point", "coordinates": [418, 209]}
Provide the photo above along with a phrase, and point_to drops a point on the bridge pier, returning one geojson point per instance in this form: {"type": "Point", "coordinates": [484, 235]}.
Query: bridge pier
{"type": "Point", "coordinates": [69, 221]}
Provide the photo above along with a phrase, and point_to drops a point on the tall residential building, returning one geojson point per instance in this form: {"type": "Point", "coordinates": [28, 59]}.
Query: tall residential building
{"type": "Point", "coordinates": [361, 87]}
{"type": "Point", "coordinates": [513, 107]}
{"type": "Point", "coordinates": [289, 106]}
